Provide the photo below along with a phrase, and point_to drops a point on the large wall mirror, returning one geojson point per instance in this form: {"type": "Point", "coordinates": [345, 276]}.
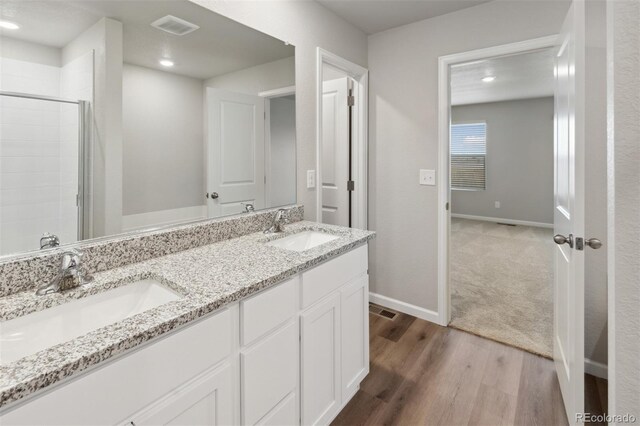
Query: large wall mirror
{"type": "Point", "coordinates": [121, 116]}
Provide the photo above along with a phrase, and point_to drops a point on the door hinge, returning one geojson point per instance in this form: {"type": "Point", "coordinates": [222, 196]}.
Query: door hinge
{"type": "Point", "coordinates": [351, 100]}
{"type": "Point", "coordinates": [351, 185]}
{"type": "Point", "coordinates": [446, 206]}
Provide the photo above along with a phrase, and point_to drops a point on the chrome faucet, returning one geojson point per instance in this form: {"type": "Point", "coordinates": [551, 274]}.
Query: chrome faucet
{"type": "Point", "coordinates": [248, 207]}
{"type": "Point", "coordinates": [71, 269]}
{"type": "Point", "coordinates": [278, 222]}
{"type": "Point", "coordinates": [49, 241]}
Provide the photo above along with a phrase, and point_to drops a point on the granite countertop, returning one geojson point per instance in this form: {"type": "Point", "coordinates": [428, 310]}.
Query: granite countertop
{"type": "Point", "coordinates": [208, 277]}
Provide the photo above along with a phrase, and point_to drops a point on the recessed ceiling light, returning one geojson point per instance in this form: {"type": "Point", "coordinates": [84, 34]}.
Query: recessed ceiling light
{"type": "Point", "coordinates": [489, 78]}
{"type": "Point", "coordinates": [166, 62]}
{"type": "Point", "coordinates": [9, 25]}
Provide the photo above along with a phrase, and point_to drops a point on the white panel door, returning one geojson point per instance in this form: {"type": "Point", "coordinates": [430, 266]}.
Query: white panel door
{"type": "Point", "coordinates": [568, 351]}
{"type": "Point", "coordinates": [320, 359]}
{"type": "Point", "coordinates": [205, 401]}
{"type": "Point", "coordinates": [354, 324]}
{"type": "Point", "coordinates": [235, 158]}
{"type": "Point", "coordinates": [335, 152]}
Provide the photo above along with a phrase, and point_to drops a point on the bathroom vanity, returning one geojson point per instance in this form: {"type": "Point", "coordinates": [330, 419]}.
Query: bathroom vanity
{"type": "Point", "coordinates": [256, 334]}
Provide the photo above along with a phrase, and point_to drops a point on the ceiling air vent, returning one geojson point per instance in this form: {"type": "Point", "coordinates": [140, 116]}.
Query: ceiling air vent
{"type": "Point", "coordinates": [174, 25]}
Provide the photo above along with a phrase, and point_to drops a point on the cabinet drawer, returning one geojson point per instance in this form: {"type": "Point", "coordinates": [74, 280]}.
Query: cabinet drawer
{"type": "Point", "coordinates": [324, 279]}
{"type": "Point", "coordinates": [269, 373]}
{"type": "Point", "coordinates": [111, 393]}
{"type": "Point", "coordinates": [267, 310]}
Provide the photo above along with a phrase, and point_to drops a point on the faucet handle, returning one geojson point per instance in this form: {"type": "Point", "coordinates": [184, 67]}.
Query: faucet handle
{"type": "Point", "coordinates": [71, 259]}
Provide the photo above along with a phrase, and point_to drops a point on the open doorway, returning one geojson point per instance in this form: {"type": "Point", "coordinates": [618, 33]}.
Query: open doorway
{"type": "Point", "coordinates": [501, 155]}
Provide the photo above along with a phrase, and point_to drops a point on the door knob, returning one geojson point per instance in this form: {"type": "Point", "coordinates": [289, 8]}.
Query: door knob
{"type": "Point", "coordinates": [594, 243]}
{"type": "Point", "coordinates": [561, 239]}
{"type": "Point", "coordinates": [214, 195]}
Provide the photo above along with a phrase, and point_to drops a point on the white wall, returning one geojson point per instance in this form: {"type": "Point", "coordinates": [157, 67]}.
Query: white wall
{"type": "Point", "coordinates": [623, 113]}
{"type": "Point", "coordinates": [251, 81]}
{"type": "Point", "coordinates": [519, 163]}
{"type": "Point", "coordinates": [29, 52]}
{"type": "Point", "coordinates": [104, 38]}
{"type": "Point", "coordinates": [306, 25]}
{"type": "Point", "coordinates": [403, 129]}
{"type": "Point", "coordinates": [163, 141]}
{"type": "Point", "coordinates": [282, 151]}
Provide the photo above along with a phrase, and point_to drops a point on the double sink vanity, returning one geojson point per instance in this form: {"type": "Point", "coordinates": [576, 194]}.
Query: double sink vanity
{"type": "Point", "coordinates": [241, 328]}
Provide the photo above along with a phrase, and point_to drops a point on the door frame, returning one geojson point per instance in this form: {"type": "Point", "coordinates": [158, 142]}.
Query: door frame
{"type": "Point", "coordinates": [359, 163]}
{"type": "Point", "coordinates": [444, 121]}
{"type": "Point", "coordinates": [268, 95]}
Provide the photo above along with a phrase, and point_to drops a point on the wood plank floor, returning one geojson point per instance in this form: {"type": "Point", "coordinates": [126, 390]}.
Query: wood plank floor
{"type": "Point", "coordinates": [425, 374]}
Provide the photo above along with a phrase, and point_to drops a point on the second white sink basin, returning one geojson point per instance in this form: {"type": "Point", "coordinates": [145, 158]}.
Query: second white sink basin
{"type": "Point", "coordinates": [31, 333]}
{"type": "Point", "coordinates": [303, 240]}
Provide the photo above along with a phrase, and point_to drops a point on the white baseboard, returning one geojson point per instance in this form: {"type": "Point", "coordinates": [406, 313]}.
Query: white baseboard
{"type": "Point", "coordinates": [595, 368]}
{"type": "Point", "coordinates": [405, 308]}
{"type": "Point", "coordinates": [139, 221]}
{"type": "Point", "coordinates": [503, 220]}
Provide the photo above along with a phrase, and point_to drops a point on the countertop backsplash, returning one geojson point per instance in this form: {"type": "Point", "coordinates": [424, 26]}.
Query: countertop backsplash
{"type": "Point", "coordinates": [30, 271]}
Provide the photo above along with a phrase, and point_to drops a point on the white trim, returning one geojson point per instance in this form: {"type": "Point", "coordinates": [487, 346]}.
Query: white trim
{"type": "Point", "coordinates": [136, 222]}
{"type": "Point", "coordinates": [595, 368]}
{"type": "Point", "coordinates": [405, 308]}
{"type": "Point", "coordinates": [503, 220]}
{"type": "Point", "coordinates": [360, 145]}
{"type": "Point", "coordinates": [277, 93]}
{"type": "Point", "coordinates": [444, 63]}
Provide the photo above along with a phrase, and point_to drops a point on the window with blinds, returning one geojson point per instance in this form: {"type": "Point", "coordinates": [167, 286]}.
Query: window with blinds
{"type": "Point", "coordinates": [468, 156]}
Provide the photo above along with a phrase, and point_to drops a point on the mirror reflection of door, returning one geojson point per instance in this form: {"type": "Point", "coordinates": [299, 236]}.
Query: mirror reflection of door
{"type": "Point", "coordinates": [336, 149]}
{"type": "Point", "coordinates": [235, 166]}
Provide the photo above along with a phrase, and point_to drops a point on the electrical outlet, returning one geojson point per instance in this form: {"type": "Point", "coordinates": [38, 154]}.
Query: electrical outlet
{"type": "Point", "coordinates": [497, 204]}
{"type": "Point", "coordinates": [311, 179]}
{"type": "Point", "coordinates": [427, 177]}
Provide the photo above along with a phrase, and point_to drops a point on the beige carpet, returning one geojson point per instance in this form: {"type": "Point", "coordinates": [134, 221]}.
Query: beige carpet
{"type": "Point", "coordinates": [501, 283]}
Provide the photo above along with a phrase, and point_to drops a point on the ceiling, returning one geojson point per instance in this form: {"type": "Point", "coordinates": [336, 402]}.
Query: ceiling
{"type": "Point", "coordinates": [220, 45]}
{"type": "Point", "coordinates": [373, 16]}
{"type": "Point", "coordinates": [522, 76]}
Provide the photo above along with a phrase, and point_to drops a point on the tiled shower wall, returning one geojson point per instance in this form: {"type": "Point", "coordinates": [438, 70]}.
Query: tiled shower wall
{"type": "Point", "coordinates": [39, 152]}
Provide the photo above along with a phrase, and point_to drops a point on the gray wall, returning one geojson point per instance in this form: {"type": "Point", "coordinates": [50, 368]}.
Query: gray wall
{"type": "Point", "coordinates": [403, 133]}
{"type": "Point", "coordinates": [283, 151]}
{"type": "Point", "coordinates": [624, 205]}
{"type": "Point", "coordinates": [519, 162]}
{"type": "Point", "coordinates": [163, 141]}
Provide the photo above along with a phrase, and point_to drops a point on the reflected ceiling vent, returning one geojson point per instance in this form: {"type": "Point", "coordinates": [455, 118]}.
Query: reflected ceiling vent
{"type": "Point", "coordinates": [175, 26]}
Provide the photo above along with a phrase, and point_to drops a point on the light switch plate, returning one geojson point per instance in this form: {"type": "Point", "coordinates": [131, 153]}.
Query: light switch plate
{"type": "Point", "coordinates": [311, 179]}
{"type": "Point", "coordinates": [427, 177]}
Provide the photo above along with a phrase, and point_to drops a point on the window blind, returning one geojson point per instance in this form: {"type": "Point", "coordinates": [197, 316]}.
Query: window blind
{"type": "Point", "coordinates": [468, 156]}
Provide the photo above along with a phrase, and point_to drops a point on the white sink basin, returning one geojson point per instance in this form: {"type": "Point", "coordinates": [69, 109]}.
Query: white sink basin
{"type": "Point", "coordinates": [303, 240]}
{"type": "Point", "coordinates": [31, 333]}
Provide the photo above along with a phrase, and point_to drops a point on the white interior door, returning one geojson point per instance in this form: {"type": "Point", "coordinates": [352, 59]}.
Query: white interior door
{"type": "Point", "coordinates": [568, 350]}
{"type": "Point", "coordinates": [235, 158]}
{"type": "Point", "coordinates": [335, 152]}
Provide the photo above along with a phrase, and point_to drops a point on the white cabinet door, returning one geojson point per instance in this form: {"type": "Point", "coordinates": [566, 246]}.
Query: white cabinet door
{"type": "Point", "coordinates": [320, 340]}
{"type": "Point", "coordinates": [354, 324]}
{"type": "Point", "coordinates": [206, 400]}
{"type": "Point", "coordinates": [269, 373]}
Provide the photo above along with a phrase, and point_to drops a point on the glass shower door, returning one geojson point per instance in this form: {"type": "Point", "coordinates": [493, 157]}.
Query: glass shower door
{"type": "Point", "coordinates": [40, 170]}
